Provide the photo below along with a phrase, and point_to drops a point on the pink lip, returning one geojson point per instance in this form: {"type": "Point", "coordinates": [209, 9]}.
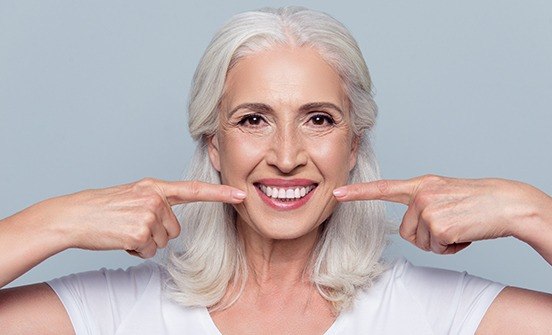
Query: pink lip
{"type": "Point", "coordinates": [285, 182]}
{"type": "Point", "coordinates": [284, 205]}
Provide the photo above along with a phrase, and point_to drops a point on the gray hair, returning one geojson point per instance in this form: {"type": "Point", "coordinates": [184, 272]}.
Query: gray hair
{"type": "Point", "coordinates": [210, 254]}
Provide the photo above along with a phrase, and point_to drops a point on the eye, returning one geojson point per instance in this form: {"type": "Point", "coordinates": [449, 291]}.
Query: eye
{"type": "Point", "coordinates": [251, 120]}
{"type": "Point", "coordinates": [322, 120]}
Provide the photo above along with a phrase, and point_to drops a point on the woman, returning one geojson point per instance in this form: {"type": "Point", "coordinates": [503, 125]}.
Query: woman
{"type": "Point", "coordinates": [282, 109]}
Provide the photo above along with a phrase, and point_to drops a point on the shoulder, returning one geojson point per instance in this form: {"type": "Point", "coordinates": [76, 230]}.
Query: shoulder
{"type": "Point", "coordinates": [130, 281]}
{"type": "Point", "coordinates": [130, 301]}
{"type": "Point", "coordinates": [420, 280]}
{"type": "Point", "coordinates": [107, 295]}
{"type": "Point", "coordinates": [426, 300]}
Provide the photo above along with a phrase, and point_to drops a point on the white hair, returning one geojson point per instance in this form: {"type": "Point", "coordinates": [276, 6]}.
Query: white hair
{"type": "Point", "coordinates": [210, 255]}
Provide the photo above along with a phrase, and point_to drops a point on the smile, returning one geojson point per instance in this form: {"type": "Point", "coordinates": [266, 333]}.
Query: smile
{"type": "Point", "coordinates": [285, 194]}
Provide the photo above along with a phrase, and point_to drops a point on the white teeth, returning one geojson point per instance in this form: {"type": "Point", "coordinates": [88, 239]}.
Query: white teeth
{"type": "Point", "coordinates": [285, 193]}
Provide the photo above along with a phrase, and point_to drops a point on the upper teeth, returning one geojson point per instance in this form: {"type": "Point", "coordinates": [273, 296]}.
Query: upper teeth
{"type": "Point", "coordinates": [286, 193]}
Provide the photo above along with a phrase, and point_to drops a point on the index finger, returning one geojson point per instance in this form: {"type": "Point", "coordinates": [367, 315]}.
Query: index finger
{"type": "Point", "coordinates": [178, 192]}
{"type": "Point", "coordinates": [400, 191]}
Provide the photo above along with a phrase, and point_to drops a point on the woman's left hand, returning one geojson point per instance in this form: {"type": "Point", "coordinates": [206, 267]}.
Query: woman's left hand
{"type": "Point", "coordinates": [445, 215]}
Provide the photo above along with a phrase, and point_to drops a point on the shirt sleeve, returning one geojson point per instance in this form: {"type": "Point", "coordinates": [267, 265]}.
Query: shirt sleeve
{"type": "Point", "coordinates": [454, 302]}
{"type": "Point", "coordinates": [98, 301]}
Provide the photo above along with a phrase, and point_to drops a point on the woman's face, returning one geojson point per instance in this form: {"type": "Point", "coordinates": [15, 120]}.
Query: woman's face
{"type": "Point", "coordinates": [285, 138]}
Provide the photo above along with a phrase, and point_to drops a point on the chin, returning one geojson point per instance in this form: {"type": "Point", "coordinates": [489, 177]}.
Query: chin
{"type": "Point", "coordinates": [282, 227]}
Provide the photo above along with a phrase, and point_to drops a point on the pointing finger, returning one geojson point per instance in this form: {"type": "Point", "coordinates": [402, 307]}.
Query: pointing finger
{"type": "Point", "coordinates": [178, 192]}
{"type": "Point", "coordinates": [400, 191]}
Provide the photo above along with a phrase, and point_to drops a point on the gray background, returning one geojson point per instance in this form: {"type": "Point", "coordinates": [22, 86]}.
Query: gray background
{"type": "Point", "coordinates": [93, 93]}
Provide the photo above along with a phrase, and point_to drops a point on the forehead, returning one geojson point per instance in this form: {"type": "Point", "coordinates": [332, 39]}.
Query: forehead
{"type": "Point", "coordinates": [284, 75]}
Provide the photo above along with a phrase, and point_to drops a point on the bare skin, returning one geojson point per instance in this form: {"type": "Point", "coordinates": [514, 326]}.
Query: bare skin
{"type": "Point", "coordinates": [135, 217]}
{"type": "Point", "coordinates": [445, 215]}
{"type": "Point", "coordinates": [285, 116]}
{"type": "Point", "coordinates": [279, 120]}
{"type": "Point", "coordinates": [278, 299]}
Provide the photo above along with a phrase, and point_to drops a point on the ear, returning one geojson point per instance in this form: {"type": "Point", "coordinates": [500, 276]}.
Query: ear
{"type": "Point", "coordinates": [354, 152]}
{"type": "Point", "coordinates": [213, 148]}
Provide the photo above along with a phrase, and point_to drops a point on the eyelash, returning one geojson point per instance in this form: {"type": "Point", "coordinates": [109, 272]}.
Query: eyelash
{"type": "Point", "coordinates": [327, 118]}
{"type": "Point", "coordinates": [246, 120]}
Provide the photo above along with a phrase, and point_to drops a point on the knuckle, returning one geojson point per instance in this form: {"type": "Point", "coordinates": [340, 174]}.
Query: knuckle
{"type": "Point", "coordinates": [163, 243]}
{"type": "Point", "coordinates": [141, 185]}
{"type": "Point", "coordinates": [432, 178]}
{"type": "Point", "coordinates": [423, 199]}
{"type": "Point", "coordinates": [422, 245]}
{"type": "Point", "coordinates": [428, 216]}
{"type": "Point", "coordinates": [141, 235]}
{"type": "Point", "coordinates": [420, 201]}
{"type": "Point", "coordinates": [154, 202]}
{"type": "Point", "coordinates": [148, 253]}
{"type": "Point", "coordinates": [147, 181]}
{"type": "Point", "coordinates": [148, 218]}
{"type": "Point", "coordinates": [175, 231]}
{"type": "Point", "coordinates": [195, 188]}
{"type": "Point", "coordinates": [429, 182]}
{"type": "Point", "coordinates": [436, 248]}
{"type": "Point", "coordinates": [403, 232]}
{"type": "Point", "coordinates": [443, 233]}
{"type": "Point", "coordinates": [144, 183]}
{"type": "Point", "coordinates": [383, 186]}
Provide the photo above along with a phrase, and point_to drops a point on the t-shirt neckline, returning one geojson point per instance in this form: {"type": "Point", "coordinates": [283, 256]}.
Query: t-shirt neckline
{"type": "Point", "coordinates": [212, 328]}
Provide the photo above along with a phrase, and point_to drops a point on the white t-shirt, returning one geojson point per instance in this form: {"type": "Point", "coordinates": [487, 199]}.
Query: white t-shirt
{"type": "Point", "coordinates": [406, 299]}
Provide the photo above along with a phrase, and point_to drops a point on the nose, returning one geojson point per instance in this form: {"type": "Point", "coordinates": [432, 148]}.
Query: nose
{"type": "Point", "coordinates": [287, 152]}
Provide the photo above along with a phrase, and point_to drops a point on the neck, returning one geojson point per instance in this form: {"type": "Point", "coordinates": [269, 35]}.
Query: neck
{"type": "Point", "coordinates": [282, 263]}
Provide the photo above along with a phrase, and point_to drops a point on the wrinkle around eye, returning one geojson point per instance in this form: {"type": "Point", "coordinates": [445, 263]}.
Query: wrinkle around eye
{"type": "Point", "coordinates": [252, 121]}
{"type": "Point", "coordinates": [330, 125]}
{"type": "Point", "coordinates": [327, 120]}
{"type": "Point", "coordinates": [241, 124]}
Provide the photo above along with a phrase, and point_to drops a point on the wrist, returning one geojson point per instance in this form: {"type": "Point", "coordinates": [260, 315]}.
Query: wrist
{"type": "Point", "coordinates": [26, 239]}
{"type": "Point", "coordinates": [44, 221]}
{"type": "Point", "coordinates": [535, 224]}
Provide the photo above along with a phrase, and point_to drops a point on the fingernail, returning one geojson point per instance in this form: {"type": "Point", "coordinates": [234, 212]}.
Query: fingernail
{"type": "Point", "coordinates": [340, 192]}
{"type": "Point", "coordinates": [237, 194]}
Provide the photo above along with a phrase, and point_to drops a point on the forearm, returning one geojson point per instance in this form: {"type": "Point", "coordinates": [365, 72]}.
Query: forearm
{"type": "Point", "coordinates": [27, 238]}
{"type": "Point", "coordinates": [536, 227]}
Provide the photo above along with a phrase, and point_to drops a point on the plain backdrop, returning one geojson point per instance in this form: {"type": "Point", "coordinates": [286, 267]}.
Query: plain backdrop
{"type": "Point", "coordinates": [94, 93]}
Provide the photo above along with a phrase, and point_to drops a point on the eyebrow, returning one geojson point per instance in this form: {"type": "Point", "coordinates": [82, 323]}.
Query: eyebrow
{"type": "Point", "coordinates": [320, 105]}
{"type": "Point", "coordinates": [260, 107]}
{"type": "Point", "coordinates": [253, 106]}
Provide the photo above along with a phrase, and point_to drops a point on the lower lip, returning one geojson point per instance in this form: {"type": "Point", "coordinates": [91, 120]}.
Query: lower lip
{"type": "Point", "coordinates": [285, 205]}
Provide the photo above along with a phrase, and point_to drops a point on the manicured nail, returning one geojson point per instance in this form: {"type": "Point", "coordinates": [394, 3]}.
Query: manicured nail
{"type": "Point", "coordinates": [340, 192]}
{"type": "Point", "coordinates": [237, 194]}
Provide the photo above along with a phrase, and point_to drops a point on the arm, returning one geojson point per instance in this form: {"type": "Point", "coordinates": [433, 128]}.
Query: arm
{"type": "Point", "coordinates": [29, 237]}
{"type": "Point", "coordinates": [136, 217]}
{"type": "Point", "coordinates": [26, 239]}
{"type": "Point", "coordinates": [518, 311]}
{"type": "Point", "coordinates": [445, 215]}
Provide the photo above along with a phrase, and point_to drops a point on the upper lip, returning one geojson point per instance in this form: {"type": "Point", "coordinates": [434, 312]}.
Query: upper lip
{"type": "Point", "coordinates": [285, 182]}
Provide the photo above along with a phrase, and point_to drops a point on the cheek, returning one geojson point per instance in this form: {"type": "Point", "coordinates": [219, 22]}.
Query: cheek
{"type": "Point", "coordinates": [238, 157]}
{"type": "Point", "coordinates": [332, 158]}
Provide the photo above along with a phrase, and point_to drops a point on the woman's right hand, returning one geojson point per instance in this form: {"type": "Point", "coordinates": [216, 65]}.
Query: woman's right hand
{"type": "Point", "coordinates": [135, 217]}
